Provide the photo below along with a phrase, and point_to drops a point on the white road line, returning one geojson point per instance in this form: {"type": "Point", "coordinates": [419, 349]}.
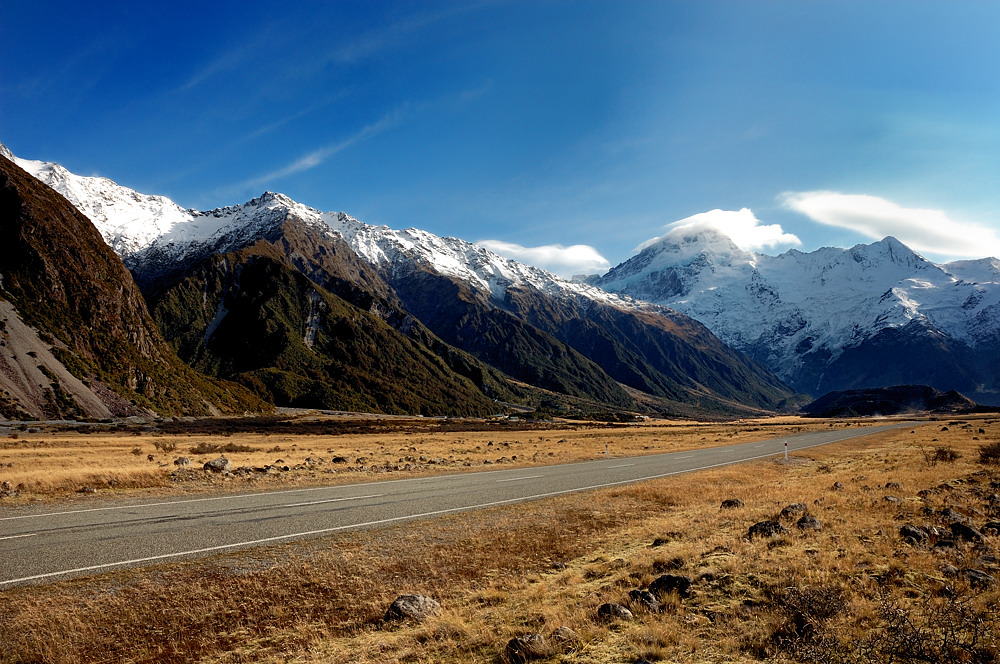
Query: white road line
{"type": "Point", "coordinates": [17, 536]}
{"type": "Point", "coordinates": [334, 500]}
{"type": "Point", "coordinates": [322, 531]}
{"type": "Point", "coordinates": [518, 479]}
{"type": "Point", "coordinates": [688, 456]}
{"type": "Point", "coordinates": [622, 465]}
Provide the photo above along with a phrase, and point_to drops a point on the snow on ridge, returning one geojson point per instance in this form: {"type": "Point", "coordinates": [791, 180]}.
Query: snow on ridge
{"type": "Point", "coordinates": [795, 302]}
{"type": "Point", "coordinates": [140, 226]}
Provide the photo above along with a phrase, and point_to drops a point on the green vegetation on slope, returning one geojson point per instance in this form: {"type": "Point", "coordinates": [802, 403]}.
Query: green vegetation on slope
{"type": "Point", "coordinates": [252, 317]}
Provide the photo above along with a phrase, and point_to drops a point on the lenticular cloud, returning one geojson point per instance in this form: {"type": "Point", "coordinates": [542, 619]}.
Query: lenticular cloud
{"type": "Point", "coordinates": [742, 227]}
{"type": "Point", "coordinates": [928, 231]}
{"type": "Point", "coordinates": [560, 260]}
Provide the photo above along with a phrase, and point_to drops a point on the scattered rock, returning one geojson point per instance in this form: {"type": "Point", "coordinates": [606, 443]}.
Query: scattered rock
{"type": "Point", "coordinates": [943, 545]}
{"type": "Point", "coordinates": [766, 529]}
{"type": "Point", "coordinates": [951, 515]}
{"type": "Point", "coordinates": [86, 489]}
{"type": "Point", "coordinates": [6, 489]}
{"type": "Point", "coordinates": [892, 500]}
{"type": "Point", "coordinates": [182, 462]}
{"type": "Point", "coordinates": [837, 486]}
{"type": "Point", "coordinates": [610, 611]}
{"type": "Point", "coordinates": [913, 534]}
{"type": "Point", "coordinates": [644, 599]}
{"type": "Point", "coordinates": [220, 465]}
{"type": "Point", "coordinates": [991, 528]}
{"type": "Point", "coordinates": [893, 486]}
{"type": "Point", "coordinates": [809, 523]}
{"type": "Point", "coordinates": [522, 649]}
{"type": "Point", "coordinates": [412, 607]}
{"type": "Point", "coordinates": [731, 504]}
{"type": "Point", "coordinates": [339, 459]}
{"type": "Point", "coordinates": [977, 578]}
{"type": "Point", "coordinates": [965, 532]}
{"type": "Point", "coordinates": [793, 510]}
{"type": "Point", "coordinates": [669, 583]}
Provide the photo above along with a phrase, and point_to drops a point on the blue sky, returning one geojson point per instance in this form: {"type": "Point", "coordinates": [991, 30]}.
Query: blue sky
{"type": "Point", "coordinates": [544, 124]}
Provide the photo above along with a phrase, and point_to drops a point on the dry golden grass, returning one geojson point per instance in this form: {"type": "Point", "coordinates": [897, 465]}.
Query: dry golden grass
{"type": "Point", "coordinates": [46, 465]}
{"type": "Point", "coordinates": [830, 595]}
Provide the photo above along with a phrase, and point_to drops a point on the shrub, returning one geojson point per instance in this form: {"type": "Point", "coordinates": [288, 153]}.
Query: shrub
{"type": "Point", "coordinates": [164, 446]}
{"type": "Point", "coordinates": [942, 454]}
{"type": "Point", "coordinates": [989, 454]}
{"type": "Point", "coordinates": [231, 448]}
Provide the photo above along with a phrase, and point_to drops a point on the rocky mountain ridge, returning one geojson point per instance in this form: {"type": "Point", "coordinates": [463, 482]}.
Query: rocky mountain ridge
{"type": "Point", "coordinates": [871, 315]}
{"type": "Point", "coordinates": [533, 326]}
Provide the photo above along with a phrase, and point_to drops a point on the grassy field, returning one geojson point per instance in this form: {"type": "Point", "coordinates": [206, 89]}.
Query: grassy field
{"type": "Point", "coordinates": [854, 591]}
{"type": "Point", "coordinates": [55, 464]}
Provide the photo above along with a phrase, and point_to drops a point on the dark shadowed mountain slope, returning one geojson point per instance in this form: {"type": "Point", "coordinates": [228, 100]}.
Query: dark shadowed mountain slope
{"type": "Point", "coordinates": [252, 317]}
{"type": "Point", "coordinates": [71, 305]}
{"type": "Point", "coordinates": [895, 400]}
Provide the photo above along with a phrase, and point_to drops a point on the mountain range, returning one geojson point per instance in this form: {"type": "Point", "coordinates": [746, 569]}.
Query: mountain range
{"type": "Point", "coordinates": [310, 308]}
{"type": "Point", "coordinates": [873, 315]}
{"type": "Point", "coordinates": [316, 309]}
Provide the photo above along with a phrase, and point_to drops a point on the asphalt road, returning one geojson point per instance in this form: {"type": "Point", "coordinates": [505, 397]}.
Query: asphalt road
{"type": "Point", "coordinates": [39, 545]}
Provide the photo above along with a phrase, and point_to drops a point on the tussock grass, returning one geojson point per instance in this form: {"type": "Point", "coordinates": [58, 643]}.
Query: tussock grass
{"type": "Point", "coordinates": [852, 592]}
{"type": "Point", "coordinates": [51, 466]}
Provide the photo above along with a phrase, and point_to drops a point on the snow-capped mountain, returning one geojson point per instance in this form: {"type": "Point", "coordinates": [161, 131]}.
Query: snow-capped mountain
{"type": "Point", "coordinates": [150, 230]}
{"type": "Point", "coordinates": [807, 314]}
{"type": "Point", "coordinates": [563, 336]}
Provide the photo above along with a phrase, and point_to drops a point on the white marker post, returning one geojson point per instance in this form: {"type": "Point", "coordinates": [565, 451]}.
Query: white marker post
{"type": "Point", "coordinates": [607, 454]}
{"type": "Point", "coordinates": [786, 450]}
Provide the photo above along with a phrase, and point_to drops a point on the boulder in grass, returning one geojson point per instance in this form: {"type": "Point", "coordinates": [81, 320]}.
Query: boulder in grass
{"type": "Point", "coordinates": [670, 583]}
{"type": "Point", "coordinates": [220, 465]}
{"type": "Point", "coordinates": [809, 523]}
{"type": "Point", "coordinates": [525, 648]}
{"type": "Point", "coordinates": [766, 529]}
{"type": "Point", "coordinates": [610, 611]}
{"type": "Point", "coordinates": [731, 504]}
{"type": "Point", "coordinates": [977, 578]}
{"type": "Point", "coordinates": [913, 534]}
{"type": "Point", "coordinates": [793, 510]}
{"type": "Point", "coordinates": [412, 607]}
{"type": "Point", "coordinates": [965, 532]}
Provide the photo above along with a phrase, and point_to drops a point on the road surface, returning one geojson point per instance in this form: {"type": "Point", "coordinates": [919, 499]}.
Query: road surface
{"type": "Point", "coordinates": [38, 545]}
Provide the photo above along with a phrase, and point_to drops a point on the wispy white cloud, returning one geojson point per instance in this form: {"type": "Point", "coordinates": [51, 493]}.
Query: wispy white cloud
{"type": "Point", "coordinates": [742, 227]}
{"type": "Point", "coordinates": [926, 231]}
{"type": "Point", "coordinates": [320, 155]}
{"type": "Point", "coordinates": [557, 259]}
{"type": "Point", "coordinates": [394, 34]}
{"type": "Point", "coordinates": [229, 60]}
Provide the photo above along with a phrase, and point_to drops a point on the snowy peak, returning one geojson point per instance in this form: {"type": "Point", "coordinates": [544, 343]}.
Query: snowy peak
{"type": "Point", "coordinates": [4, 152]}
{"type": "Point", "coordinates": [797, 311]}
{"type": "Point", "coordinates": [152, 233]}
